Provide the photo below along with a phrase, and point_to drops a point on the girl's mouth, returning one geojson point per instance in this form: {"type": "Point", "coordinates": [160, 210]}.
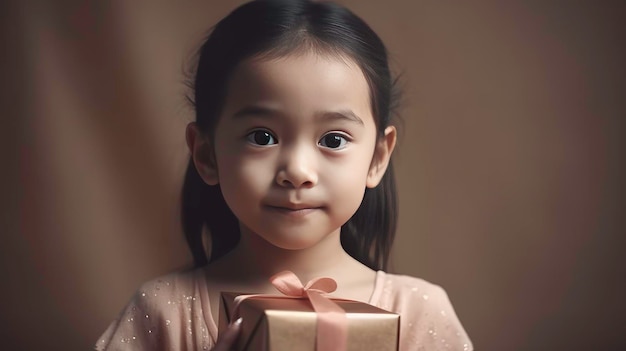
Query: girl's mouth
{"type": "Point", "coordinates": [299, 211]}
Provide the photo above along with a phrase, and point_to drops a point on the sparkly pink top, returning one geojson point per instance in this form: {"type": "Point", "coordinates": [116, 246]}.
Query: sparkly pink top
{"type": "Point", "coordinates": [173, 313]}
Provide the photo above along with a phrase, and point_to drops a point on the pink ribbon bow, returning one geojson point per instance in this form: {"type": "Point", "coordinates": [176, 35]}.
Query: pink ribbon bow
{"type": "Point", "coordinates": [332, 323]}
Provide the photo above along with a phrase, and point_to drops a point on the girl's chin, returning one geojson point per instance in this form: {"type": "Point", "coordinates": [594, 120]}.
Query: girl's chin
{"type": "Point", "coordinates": [295, 240]}
{"type": "Point", "coordinates": [291, 244]}
{"type": "Point", "coordinates": [291, 234]}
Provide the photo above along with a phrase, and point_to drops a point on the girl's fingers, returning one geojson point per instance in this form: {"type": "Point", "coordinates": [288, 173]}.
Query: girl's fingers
{"type": "Point", "coordinates": [227, 340]}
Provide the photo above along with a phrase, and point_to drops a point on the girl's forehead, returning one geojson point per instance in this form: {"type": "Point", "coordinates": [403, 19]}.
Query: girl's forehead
{"type": "Point", "coordinates": [302, 62]}
{"type": "Point", "coordinates": [305, 55]}
{"type": "Point", "coordinates": [300, 81]}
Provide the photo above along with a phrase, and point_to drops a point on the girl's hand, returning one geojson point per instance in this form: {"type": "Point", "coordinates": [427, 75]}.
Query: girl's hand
{"type": "Point", "coordinates": [227, 340]}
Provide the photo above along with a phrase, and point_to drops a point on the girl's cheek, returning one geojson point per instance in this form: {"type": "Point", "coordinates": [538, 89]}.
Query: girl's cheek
{"type": "Point", "coordinates": [253, 169]}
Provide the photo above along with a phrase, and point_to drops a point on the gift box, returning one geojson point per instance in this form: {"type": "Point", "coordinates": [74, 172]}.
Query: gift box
{"type": "Point", "coordinates": [276, 323]}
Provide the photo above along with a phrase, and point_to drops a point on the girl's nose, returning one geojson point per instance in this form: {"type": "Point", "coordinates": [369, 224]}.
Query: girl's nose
{"type": "Point", "coordinates": [298, 170]}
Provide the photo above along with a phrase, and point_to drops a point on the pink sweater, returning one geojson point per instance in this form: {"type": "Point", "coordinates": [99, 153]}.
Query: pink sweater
{"type": "Point", "coordinates": [173, 313]}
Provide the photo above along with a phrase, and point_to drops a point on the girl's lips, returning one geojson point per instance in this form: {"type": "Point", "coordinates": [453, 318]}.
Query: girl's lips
{"type": "Point", "coordinates": [293, 212]}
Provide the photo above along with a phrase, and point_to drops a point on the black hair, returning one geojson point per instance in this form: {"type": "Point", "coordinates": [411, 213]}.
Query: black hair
{"type": "Point", "coordinates": [275, 28]}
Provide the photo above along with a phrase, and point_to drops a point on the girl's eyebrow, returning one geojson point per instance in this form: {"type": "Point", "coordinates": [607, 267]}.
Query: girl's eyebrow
{"type": "Point", "coordinates": [262, 111]}
{"type": "Point", "coordinates": [341, 115]}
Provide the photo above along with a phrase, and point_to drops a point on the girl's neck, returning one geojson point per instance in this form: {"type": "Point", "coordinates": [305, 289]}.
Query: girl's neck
{"type": "Point", "coordinates": [254, 260]}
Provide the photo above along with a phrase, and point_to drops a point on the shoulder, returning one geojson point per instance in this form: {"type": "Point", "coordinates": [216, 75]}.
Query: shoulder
{"type": "Point", "coordinates": [162, 293]}
{"type": "Point", "coordinates": [164, 313]}
{"type": "Point", "coordinates": [427, 316]}
{"type": "Point", "coordinates": [171, 285]}
{"type": "Point", "coordinates": [400, 290]}
{"type": "Point", "coordinates": [172, 295]}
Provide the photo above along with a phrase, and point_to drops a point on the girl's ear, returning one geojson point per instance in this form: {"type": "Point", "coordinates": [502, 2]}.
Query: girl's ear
{"type": "Point", "coordinates": [202, 154]}
{"type": "Point", "coordinates": [382, 155]}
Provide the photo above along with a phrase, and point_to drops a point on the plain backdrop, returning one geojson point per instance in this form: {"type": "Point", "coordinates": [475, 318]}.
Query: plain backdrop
{"type": "Point", "coordinates": [510, 167]}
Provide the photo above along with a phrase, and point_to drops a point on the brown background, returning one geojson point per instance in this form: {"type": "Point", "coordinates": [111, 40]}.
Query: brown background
{"type": "Point", "coordinates": [510, 168]}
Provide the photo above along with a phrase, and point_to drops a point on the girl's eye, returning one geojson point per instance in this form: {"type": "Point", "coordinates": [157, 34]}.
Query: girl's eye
{"type": "Point", "coordinates": [261, 137]}
{"type": "Point", "coordinates": [333, 141]}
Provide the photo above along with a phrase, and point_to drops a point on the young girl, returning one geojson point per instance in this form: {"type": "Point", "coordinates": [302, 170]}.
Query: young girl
{"type": "Point", "coordinates": [290, 170]}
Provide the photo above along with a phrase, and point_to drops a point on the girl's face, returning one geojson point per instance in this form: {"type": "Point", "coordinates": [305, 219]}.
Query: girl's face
{"type": "Point", "coordinates": [295, 147]}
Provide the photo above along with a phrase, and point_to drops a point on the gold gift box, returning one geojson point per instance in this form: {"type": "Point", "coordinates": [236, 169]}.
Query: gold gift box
{"type": "Point", "coordinates": [280, 323]}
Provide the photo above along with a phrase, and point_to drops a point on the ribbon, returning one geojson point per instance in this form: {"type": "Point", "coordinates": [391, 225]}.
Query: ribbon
{"type": "Point", "coordinates": [332, 323]}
